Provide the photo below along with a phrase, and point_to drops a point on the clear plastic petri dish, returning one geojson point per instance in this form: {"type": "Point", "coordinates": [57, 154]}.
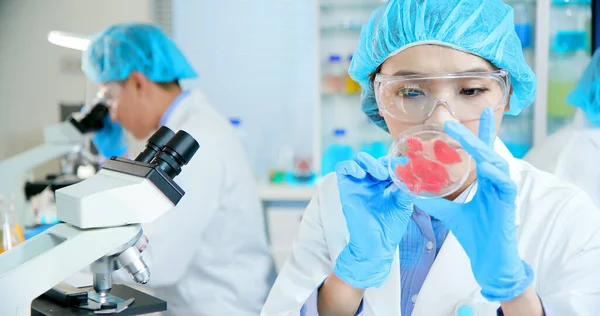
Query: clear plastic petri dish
{"type": "Point", "coordinates": [427, 163]}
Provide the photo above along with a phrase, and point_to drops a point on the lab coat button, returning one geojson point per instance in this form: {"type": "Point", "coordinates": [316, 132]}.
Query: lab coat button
{"type": "Point", "coordinates": [429, 245]}
{"type": "Point", "coordinates": [465, 310]}
{"type": "Point", "coordinates": [414, 299]}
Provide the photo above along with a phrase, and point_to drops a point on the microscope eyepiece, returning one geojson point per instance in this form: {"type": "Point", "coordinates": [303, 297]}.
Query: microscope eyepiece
{"type": "Point", "coordinates": [155, 143]}
{"type": "Point", "coordinates": [184, 145]}
{"type": "Point", "coordinates": [178, 152]}
{"type": "Point", "coordinates": [93, 120]}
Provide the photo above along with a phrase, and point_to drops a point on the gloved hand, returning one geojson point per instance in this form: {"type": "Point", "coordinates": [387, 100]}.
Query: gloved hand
{"type": "Point", "coordinates": [110, 140]}
{"type": "Point", "coordinates": [485, 226]}
{"type": "Point", "coordinates": [377, 215]}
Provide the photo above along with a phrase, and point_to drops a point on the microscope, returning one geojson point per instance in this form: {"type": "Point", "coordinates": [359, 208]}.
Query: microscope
{"type": "Point", "coordinates": [101, 229]}
{"type": "Point", "coordinates": [59, 139]}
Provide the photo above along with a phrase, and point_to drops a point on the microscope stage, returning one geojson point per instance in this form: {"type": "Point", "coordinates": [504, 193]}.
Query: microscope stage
{"type": "Point", "coordinates": [142, 304]}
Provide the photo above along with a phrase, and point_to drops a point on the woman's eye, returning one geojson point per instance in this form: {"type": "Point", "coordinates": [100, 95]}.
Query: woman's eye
{"type": "Point", "coordinates": [410, 92]}
{"type": "Point", "coordinates": [473, 91]}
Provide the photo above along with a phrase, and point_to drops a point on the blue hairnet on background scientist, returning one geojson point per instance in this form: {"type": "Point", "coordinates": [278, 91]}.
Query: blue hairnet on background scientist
{"type": "Point", "coordinates": [209, 255]}
{"type": "Point", "coordinates": [514, 240]}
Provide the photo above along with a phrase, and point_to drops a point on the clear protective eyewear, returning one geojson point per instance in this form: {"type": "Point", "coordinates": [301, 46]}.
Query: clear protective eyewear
{"type": "Point", "coordinates": [109, 94]}
{"type": "Point", "coordinates": [414, 98]}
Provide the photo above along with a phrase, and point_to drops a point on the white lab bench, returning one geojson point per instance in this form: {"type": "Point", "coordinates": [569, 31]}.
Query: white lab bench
{"type": "Point", "coordinates": [283, 207]}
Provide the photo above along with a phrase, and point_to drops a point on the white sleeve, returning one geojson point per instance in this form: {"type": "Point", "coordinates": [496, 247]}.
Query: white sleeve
{"type": "Point", "coordinates": [305, 269]}
{"type": "Point", "coordinates": [579, 165]}
{"type": "Point", "coordinates": [172, 236]}
{"type": "Point", "coordinates": [569, 276]}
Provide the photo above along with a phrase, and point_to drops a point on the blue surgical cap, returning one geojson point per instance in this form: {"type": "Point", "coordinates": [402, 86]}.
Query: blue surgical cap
{"type": "Point", "coordinates": [586, 94]}
{"type": "Point", "coordinates": [123, 48]}
{"type": "Point", "coordinates": [481, 27]}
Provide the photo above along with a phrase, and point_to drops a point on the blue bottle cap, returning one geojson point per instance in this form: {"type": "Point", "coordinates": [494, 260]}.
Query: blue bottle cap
{"type": "Point", "coordinates": [235, 121]}
{"type": "Point", "coordinates": [339, 132]}
{"type": "Point", "coordinates": [570, 41]}
{"type": "Point", "coordinates": [335, 58]}
{"type": "Point", "coordinates": [569, 2]}
{"type": "Point", "coordinates": [524, 32]}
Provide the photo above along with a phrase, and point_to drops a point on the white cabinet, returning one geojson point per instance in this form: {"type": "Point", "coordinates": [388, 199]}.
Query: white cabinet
{"type": "Point", "coordinates": [283, 225]}
{"type": "Point", "coordinates": [283, 207]}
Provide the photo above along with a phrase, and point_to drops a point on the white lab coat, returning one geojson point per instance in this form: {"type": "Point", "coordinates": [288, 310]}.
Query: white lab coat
{"type": "Point", "coordinates": [558, 235]}
{"type": "Point", "coordinates": [572, 154]}
{"type": "Point", "coordinates": [209, 255]}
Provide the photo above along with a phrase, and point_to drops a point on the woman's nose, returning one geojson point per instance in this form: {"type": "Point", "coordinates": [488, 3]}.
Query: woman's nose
{"type": "Point", "coordinates": [440, 113]}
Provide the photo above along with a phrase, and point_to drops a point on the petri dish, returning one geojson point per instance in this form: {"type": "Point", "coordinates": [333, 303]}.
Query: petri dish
{"type": "Point", "coordinates": [427, 163]}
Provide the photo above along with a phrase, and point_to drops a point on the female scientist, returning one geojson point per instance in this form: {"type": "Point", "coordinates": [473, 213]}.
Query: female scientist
{"type": "Point", "coordinates": [514, 240]}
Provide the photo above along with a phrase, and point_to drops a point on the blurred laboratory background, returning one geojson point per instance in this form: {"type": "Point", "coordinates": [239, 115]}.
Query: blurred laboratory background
{"type": "Point", "coordinates": [277, 69]}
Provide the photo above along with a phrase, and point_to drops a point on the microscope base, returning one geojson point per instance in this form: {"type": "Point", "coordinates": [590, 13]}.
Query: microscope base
{"type": "Point", "coordinates": [142, 304]}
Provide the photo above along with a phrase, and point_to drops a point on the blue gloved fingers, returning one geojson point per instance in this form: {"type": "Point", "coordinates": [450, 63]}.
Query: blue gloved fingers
{"type": "Point", "coordinates": [402, 160]}
{"type": "Point", "coordinates": [469, 141]}
{"type": "Point", "coordinates": [505, 186]}
{"type": "Point", "coordinates": [474, 146]}
{"type": "Point", "coordinates": [372, 166]}
{"type": "Point", "coordinates": [487, 127]}
{"type": "Point", "coordinates": [401, 199]}
{"type": "Point", "coordinates": [385, 161]}
{"type": "Point", "coordinates": [439, 208]}
{"type": "Point", "coordinates": [349, 169]}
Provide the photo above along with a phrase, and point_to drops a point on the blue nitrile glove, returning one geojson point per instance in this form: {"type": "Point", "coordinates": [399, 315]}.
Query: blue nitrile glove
{"type": "Point", "coordinates": [110, 140]}
{"type": "Point", "coordinates": [377, 214]}
{"type": "Point", "coordinates": [485, 226]}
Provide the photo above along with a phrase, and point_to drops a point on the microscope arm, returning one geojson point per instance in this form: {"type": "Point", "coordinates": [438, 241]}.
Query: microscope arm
{"type": "Point", "coordinates": [60, 139]}
{"type": "Point", "coordinates": [104, 215]}
{"type": "Point", "coordinates": [38, 267]}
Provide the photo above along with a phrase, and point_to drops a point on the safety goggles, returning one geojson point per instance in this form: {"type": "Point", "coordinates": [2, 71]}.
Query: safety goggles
{"type": "Point", "coordinates": [109, 94]}
{"type": "Point", "coordinates": [414, 98]}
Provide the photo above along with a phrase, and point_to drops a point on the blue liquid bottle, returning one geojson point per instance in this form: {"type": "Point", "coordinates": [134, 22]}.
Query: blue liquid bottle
{"type": "Point", "coordinates": [338, 151]}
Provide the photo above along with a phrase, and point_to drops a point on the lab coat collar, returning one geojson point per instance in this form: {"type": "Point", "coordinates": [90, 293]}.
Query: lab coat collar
{"type": "Point", "coordinates": [455, 268]}
{"type": "Point", "coordinates": [167, 114]}
{"type": "Point", "coordinates": [188, 106]}
{"type": "Point", "coordinates": [581, 121]}
{"type": "Point", "coordinates": [452, 266]}
{"type": "Point", "coordinates": [579, 118]}
{"type": "Point", "coordinates": [450, 280]}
